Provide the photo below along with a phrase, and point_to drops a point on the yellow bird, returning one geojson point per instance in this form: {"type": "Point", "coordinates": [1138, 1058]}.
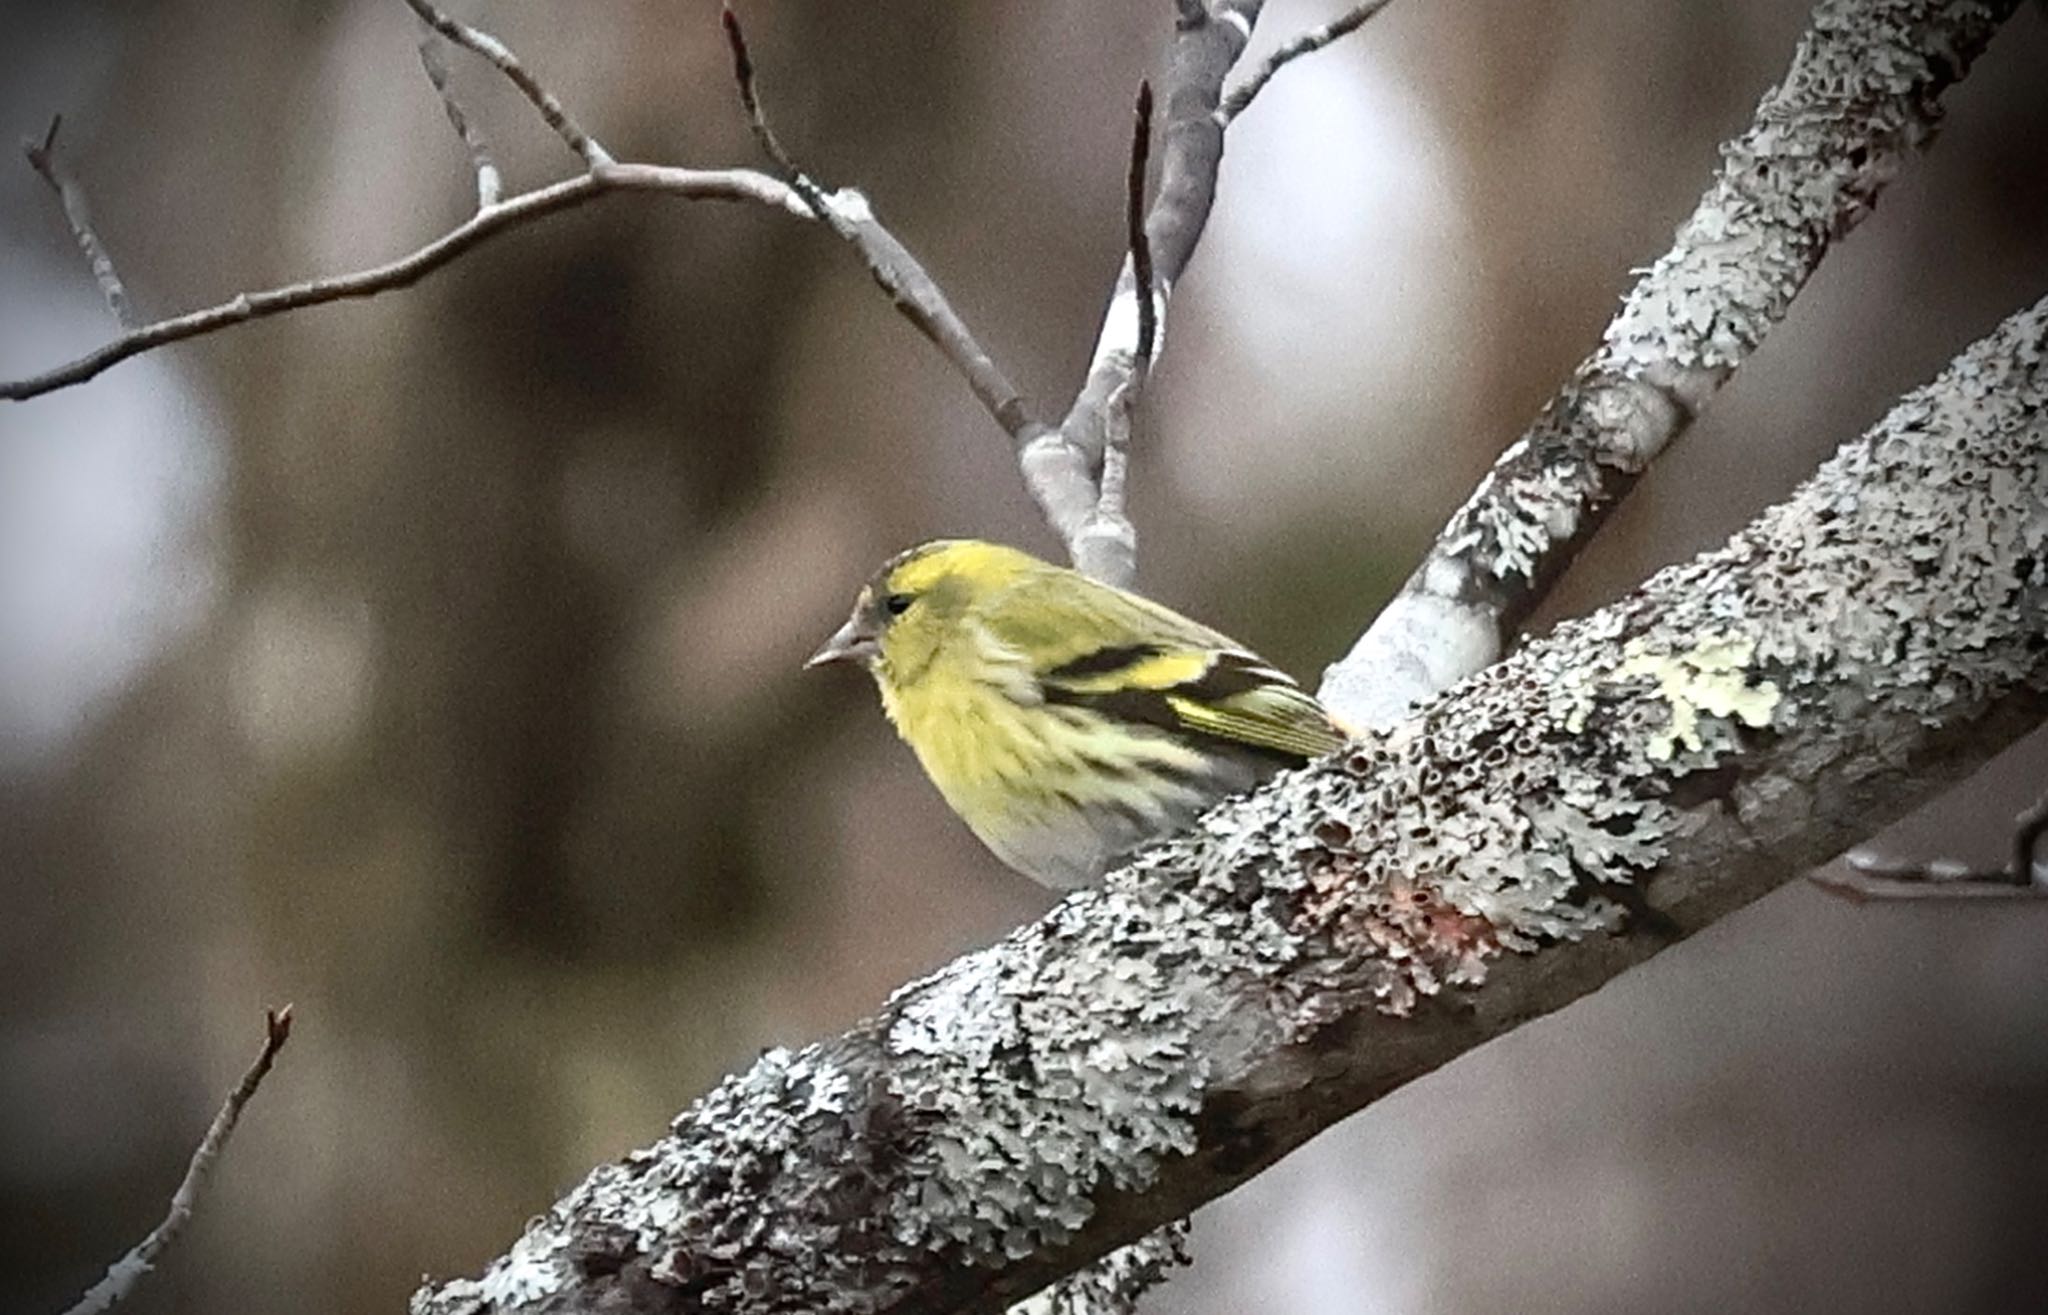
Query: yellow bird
{"type": "Point", "coordinates": [1067, 722]}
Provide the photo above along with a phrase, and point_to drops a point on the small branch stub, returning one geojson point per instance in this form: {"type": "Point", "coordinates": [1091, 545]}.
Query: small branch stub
{"type": "Point", "coordinates": [2024, 876]}
{"type": "Point", "coordinates": [44, 159]}
{"type": "Point", "coordinates": [489, 182]}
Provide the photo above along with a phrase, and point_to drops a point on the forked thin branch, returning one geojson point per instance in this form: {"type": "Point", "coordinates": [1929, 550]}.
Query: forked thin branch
{"type": "Point", "coordinates": [911, 289]}
{"type": "Point", "coordinates": [1107, 544]}
{"type": "Point", "coordinates": [1070, 469]}
{"type": "Point", "coordinates": [757, 118]}
{"type": "Point", "coordinates": [490, 184]}
{"type": "Point", "coordinates": [1064, 466]}
{"type": "Point", "coordinates": [1241, 96]}
{"type": "Point", "coordinates": [612, 179]}
{"type": "Point", "coordinates": [552, 111]}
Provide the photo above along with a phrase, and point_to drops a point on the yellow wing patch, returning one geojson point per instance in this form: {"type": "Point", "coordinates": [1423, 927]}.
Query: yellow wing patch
{"type": "Point", "coordinates": [1157, 671]}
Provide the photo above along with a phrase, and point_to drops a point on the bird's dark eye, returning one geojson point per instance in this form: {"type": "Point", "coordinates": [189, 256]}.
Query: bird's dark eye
{"type": "Point", "coordinates": [898, 604]}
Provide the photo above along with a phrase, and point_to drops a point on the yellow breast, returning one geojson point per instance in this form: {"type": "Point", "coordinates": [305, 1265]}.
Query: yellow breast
{"type": "Point", "coordinates": [1056, 792]}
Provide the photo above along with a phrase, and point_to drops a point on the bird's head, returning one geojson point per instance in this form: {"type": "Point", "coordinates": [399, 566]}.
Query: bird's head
{"type": "Point", "coordinates": [910, 609]}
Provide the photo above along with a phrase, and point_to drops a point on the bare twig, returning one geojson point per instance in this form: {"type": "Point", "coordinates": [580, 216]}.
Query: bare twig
{"type": "Point", "coordinates": [43, 157]}
{"type": "Point", "coordinates": [494, 216]}
{"type": "Point", "coordinates": [125, 1273]}
{"type": "Point", "coordinates": [2022, 877]}
{"type": "Point", "coordinates": [911, 289]}
{"type": "Point", "coordinates": [502, 58]}
{"type": "Point", "coordinates": [489, 183]}
{"type": "Point", "coordinates": [918, 298]}
{"type": "Point", "coordinates": [1307, 43]}
{"type": "Point", "coordinates": [606, 180]}
{"type": "Point", "coordinates": [1863, 93]}
{"type": "Point", "coordinates": [757, 118]}
{"type": "Point", "coordinates": [1066, 469]}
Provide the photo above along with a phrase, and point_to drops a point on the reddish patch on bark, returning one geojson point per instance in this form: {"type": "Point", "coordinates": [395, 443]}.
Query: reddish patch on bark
{"type": "Point", "coordinates": [1402, 938]}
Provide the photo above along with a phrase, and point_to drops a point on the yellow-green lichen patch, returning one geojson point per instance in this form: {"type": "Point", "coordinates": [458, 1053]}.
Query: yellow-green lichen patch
{"type": "Point", "coordinates": [1712, 680]}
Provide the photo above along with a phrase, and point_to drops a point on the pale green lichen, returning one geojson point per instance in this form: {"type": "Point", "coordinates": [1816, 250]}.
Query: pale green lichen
{"type": "Point", "coordinates": [1712, 679]}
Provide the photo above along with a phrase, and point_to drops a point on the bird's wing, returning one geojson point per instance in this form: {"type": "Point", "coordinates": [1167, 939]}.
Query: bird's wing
{"type": "Point", "coordinates": [1131, 659]}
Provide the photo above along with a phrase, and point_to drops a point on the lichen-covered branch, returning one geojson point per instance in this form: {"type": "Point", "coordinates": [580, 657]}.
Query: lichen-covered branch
{"type": "Point", "coordinates": [1862, 94]}
{"type": "Point", "coordinates": [1562, 815]}
{"type": "Point", "coordinates": [122, 1276]}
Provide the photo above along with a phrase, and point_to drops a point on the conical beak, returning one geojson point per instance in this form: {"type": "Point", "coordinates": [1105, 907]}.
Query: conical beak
{"type": "Point", "coordinates": [849, 643]}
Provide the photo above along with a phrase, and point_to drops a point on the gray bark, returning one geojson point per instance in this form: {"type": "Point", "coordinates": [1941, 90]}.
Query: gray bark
{"type": "Point", "coordinates": [1862, 95]}
{"type": "Point", "coordinates": [1568, 812]}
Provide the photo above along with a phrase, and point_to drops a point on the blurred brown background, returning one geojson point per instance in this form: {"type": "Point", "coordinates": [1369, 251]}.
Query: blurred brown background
{"type": "Point", "coordinates": [432, 662]}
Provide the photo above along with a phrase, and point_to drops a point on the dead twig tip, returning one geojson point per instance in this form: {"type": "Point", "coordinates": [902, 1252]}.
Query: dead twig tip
{"type": "Point", "coordinates": [742, 63]}
{"type": "Point", "coordinates": [1134, 214]}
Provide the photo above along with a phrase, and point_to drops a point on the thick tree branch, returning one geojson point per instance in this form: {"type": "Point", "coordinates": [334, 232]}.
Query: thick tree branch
{"type": "Point", "coordinates": [1862, 94]}
{"type": "Point", "coordinates": [1148, 1045]}
{"type": "Point", "coordinates": [125, 1273]}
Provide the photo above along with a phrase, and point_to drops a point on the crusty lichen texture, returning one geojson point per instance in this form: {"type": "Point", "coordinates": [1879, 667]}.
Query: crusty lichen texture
{"type": "Point", "coordinates": [1147, 1045]}
{"type": "Point", "coordinates": [1860, 97]}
